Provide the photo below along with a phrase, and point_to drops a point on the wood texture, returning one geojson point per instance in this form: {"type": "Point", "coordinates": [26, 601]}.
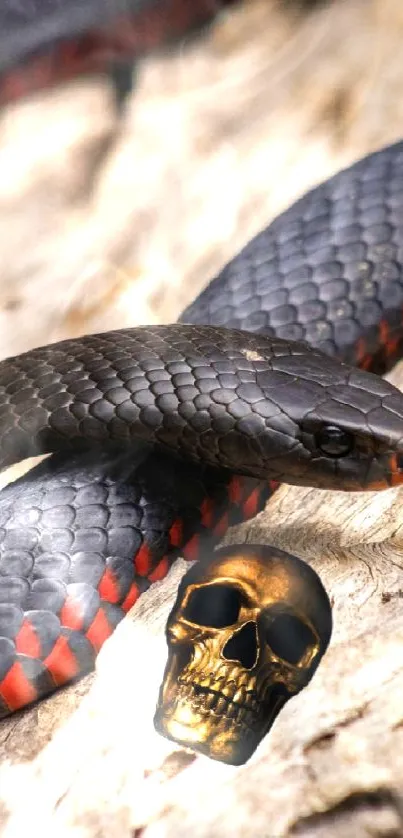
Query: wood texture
{"type": "Point", "coordinates": [99, 230]}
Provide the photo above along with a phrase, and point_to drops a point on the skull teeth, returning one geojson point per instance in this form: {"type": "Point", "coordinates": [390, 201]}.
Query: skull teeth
{"type": "Point", "coordinates": [211, 700]}
{"type": "Point", "coordinates": [221, 690]}
{"type": "Point", "coordinates": [242, 707]}
{"type": "Point", "coordinates": [222, 705]}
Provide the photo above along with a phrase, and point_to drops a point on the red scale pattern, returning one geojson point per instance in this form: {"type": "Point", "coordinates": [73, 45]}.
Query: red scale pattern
{"type": "Point", "coordinates": [27, 641]}
{"type": "Point", "coordinates": [16, 689]}
{"type": "Point", "coordinates": [62, 663]}
{"type": "Point", "coordinates": [244, 498]}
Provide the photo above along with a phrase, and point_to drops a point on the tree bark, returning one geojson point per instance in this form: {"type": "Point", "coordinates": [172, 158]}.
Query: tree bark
{"type": "Point", "coordinates": [265, 108]}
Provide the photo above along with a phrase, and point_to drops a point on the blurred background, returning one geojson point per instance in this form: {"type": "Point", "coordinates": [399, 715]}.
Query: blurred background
{"type": "Point", "coordinates": [109, 221]}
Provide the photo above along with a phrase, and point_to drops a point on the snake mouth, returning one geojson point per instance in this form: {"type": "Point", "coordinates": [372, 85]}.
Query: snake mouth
{"type": "Point", "coordinates": [382, 471]}
{"type": "Point", "coordinates": [396, 468]}
{"type": "Point", "coordinates": [393, 473]}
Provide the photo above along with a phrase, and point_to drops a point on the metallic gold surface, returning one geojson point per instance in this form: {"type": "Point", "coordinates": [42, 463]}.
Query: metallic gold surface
{"type": "Point", "coordinates": [246, 633]}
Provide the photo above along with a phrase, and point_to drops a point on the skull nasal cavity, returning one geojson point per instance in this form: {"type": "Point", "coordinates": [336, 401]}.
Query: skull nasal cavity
{"type": "Point", "coordinates": [242, 646]}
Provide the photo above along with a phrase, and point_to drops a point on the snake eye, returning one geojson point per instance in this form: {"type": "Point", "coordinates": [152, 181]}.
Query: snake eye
{"type": "Point", "coordinates": [333, 441]}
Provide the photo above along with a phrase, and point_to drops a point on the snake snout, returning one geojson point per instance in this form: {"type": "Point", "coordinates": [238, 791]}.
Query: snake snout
{"type": "Point", "coordinates": [348, 431]}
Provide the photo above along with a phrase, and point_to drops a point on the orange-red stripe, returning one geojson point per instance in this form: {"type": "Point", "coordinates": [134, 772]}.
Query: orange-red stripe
{"type": "Point", "coordinates": [391, 344]}
{"type": "Point", "coordinates": [191, 550]}
{"type": "Point", "coordinates": [131, 597]}
{"type": "Point", "coordinates": [160, 571]}
{"type": "Point", "coordinates": [61, 662]}
{"type": "Point", "coordinates": [142, 560]}
{"type": "Point", "coordinates": [364, 360]}
{"type": "Point", "coordinates": [176, 533]}
{"type": "Point", "coordinates": [235, 489]}
{"type": "Point", "coordinates": [108, 588]}
{"type": "Point", "coordinates": [27, 641]}
{"type": "Point", "coordinates": [99, 630]}
{"type": "Point", "coordinates": [221, 525]}
{"type": "Point", "coordinates": [250, 506]}
{"type": "Point", "coordinates": [70, 615]}
{"type": "Point", "coordinates": [207, 512]}
{"type": "Point", "coordinates": [15, 689]}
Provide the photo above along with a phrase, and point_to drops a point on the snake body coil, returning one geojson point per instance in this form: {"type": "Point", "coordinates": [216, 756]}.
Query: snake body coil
{"type": "Point", "coordinates": [167, 435]}
{"type": "Point", "coordinates": [45, 43]}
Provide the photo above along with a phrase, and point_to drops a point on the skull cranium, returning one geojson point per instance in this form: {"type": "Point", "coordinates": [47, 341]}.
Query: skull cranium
{"type": "Point", "coordinates": [246, 633]}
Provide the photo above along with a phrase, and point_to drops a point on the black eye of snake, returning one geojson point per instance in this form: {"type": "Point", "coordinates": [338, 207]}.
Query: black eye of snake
{"type": "Point", "coordinates": [333, 441]}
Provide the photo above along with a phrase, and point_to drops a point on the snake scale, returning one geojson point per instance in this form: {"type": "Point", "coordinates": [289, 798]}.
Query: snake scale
{"type": "Point", "coordinates": [162, 437]}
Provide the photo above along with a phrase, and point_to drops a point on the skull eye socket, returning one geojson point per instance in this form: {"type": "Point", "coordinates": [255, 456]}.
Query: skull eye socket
{"type": "Point", "coordinates": [215, 606]}
{"type": "Point", "coordinates": [289, 638]}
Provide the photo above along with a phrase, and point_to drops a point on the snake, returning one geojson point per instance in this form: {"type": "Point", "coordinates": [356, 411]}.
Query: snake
{"type": "Point", "coordinates": [161, 437]}
{"type": "Point", "coordinates": [46, 42]}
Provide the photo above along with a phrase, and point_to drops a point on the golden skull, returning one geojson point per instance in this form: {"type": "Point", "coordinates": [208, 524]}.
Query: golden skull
{"type": "Point", "coordinates": [246, 633]}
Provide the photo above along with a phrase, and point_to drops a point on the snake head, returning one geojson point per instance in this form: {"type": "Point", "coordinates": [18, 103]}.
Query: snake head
{"type": "Point", "coordinates": [336, 427]}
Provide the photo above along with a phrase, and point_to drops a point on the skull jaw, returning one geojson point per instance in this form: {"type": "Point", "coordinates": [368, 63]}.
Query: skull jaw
{"type": "Point", "coordinates": [218, 737]}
